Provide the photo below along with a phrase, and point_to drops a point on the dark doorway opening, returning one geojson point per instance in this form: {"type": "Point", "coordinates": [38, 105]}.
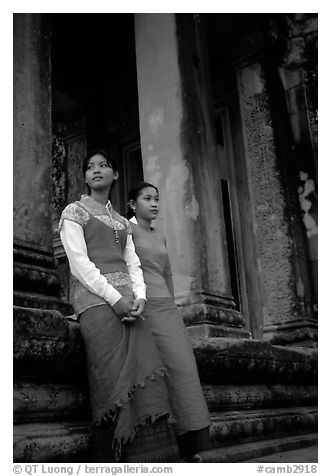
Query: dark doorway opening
{"type": "Point", "coordinates": [95, 94]}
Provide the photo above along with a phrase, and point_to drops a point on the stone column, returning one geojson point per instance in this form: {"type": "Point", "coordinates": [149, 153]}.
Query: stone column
{"type": "Point", "coordinates": [69, 150]}
{"type": "Point", "coordinates": [48, 348]}
{"type": "Point", "coordinates": [36, 283]}
{"type": "Point", "coordinates": [298, 75]}
{"type": "Point", "coordinates": [180, 158]}
{"type": "Point", "coordinates": [282, 270]}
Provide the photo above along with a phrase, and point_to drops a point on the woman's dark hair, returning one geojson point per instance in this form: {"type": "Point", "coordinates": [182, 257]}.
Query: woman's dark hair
{"type": "Point", "coordinates": [111, 161]}
{"type": "Point", "coordinates": [134, 194]}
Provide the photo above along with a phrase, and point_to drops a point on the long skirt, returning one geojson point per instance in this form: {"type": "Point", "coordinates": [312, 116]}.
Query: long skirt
{"type": "Point", "coordinates": [126, 376]}
{"type": "Point", "coordinates": [186, 397]}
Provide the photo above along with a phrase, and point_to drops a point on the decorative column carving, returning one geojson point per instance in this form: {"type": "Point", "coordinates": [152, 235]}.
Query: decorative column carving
{"type": "Point", "coordinates": [287, 310]}
{"type": "Point", "coordinates": [68, 152]}
{"type": "Point", "coordinates": [298, 75]}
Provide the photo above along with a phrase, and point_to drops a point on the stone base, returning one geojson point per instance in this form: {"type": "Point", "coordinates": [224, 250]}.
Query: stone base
{"type": "Point", "coordinates": [296, 333]}
{"type": "Point", "coordinates": [47, 345]}
{"type": "Point", "coordinates": [245, 452]}
{"type": "Point", "coordinates": [213, 320]}
{"type": "Point", "coordinates": [210, 330]}
{"type": "Point", "coordinates": [51, 442]}
{"type": "Point", "coordinates": [253, 425]}
{"type": "Point", "coordinates": [241, 382]}
{"type": "Point", "coordinates": [223, 360]}
{"type": "Point", "coordinates": [40, 301]}
{"type": "Point", "coordinates": [247, 397]}
{"type": "Point", "coordinates": [36, 281]}
{"type": "Point", "coordinates": [44, 401]}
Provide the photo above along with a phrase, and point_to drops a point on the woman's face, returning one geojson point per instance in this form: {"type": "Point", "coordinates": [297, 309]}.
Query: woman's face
{"type": "Point", "coordinates": [99, 174]}
{"type": "Point", "coordinates": [146, 205]}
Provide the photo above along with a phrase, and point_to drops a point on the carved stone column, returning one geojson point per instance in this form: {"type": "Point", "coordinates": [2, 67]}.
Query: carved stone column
{"type": "Point", "coordinates": [69, 149]}
{"type": "Point", "coordinates": [282, 262]}
{"type": "Point", "coordinates": [298, 75]}
{"type": "Point", "coordinates": [36, 283]}
{"type": "Point", "coordinates": [180, 157]}
{"type": "Point", "coordinates": [48, 348]}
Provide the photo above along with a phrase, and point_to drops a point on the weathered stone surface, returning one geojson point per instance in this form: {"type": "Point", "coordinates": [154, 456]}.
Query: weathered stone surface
{"type": "Point", "coordinates": [32, 126]}
{"type": "Point", "coordinates": [45, 343]}
{"type": "Point", "coordinates": [42, 442]}
{"type": "Point", "coordinates": [180, 156]}
{"type": "Point", "coordinates": [244, 452]}
{"type": "Point", "coordinates": [299, 74]}
{"type": "Point", "coordinates": [201, 312]}
{"type": "Point", "coordinates": [34, 401]}
{"type": "Point", "coordinates": [32, 278]}
{"type": "Point", "coordinates": [240, 426]}
{"type": "Point", "coordinates": [50, 442]}
{"type": "Point", "coordinates": [224, 361]}
{"type": "Point", "coordinates": [207, 330]}
{"type": "Point", "coordinates": [42, 301]}
{"type": "Point", "coordinates": [36, 282]}
{"type": "Point", "coordinates": [271, 226]}
{"type": "Point", "coordinates": [241, 397]}
{"type": "Point", "coordinates": [302, 333]}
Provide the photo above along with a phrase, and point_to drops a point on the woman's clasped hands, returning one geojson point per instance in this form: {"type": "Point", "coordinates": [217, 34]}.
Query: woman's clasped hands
{"type": "Point", "coordinates": [127, 312]}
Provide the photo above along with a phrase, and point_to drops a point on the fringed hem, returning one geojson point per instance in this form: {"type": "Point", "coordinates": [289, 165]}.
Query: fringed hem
{"type": "Point", "coordinates": [140, 385]}
{"type": "Point", "coordinates": [113, 412]}
{"type": "Point", "coordinates": [144, 423]}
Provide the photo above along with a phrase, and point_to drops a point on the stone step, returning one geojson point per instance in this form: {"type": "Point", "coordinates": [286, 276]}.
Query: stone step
{"type": "Point", "coordinates": [40, 401]}
{"type": "Point", "coordinates": [47, 344]}
{"type": "Point", "coordinates": [35, 401]}
{"type": "Point", "coordinates": [51, 442]}
{"type": "Point", "coordinates": [68, 441]}
{"type": "Point", "coordinates": [309, 454]}
{"type": "Point", "coordinates": [244, 397]}
{"type": "Point", "coordinates": [41, 301]}
{"type": "Point", "coordinates": [248, 361]}
{"type": "Point", "coordinates": [245, 452]}
{"type": "Point", "coordinates": [248, 425]}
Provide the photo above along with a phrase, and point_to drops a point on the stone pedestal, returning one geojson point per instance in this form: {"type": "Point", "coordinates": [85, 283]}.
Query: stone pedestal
{"type": "Point", "coordinates": [180, 158]}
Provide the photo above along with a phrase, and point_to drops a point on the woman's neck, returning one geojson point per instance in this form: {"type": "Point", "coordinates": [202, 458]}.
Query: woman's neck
{"type": "Point", "coordinates": [145, 224]}
{"type": "Point", "coordinates": [101, 196]}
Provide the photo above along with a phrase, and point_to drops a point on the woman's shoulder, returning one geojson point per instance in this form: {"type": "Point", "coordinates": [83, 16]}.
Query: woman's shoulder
{"type": "Point", "coordinates": [122, 220]}
{"type": "Point", "coordinates": [76, 213]}
{"type": "Point", "coordinates": [161, 236]}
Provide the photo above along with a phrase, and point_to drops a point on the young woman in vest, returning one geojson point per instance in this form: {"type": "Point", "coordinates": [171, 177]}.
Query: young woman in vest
{"type": "Point", "coordinates": [126, 374]}
{"type": "Point", "coordinates": [187, 400]}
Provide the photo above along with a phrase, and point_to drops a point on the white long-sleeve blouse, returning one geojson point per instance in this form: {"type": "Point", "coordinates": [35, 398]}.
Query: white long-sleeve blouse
{"type": "Point", "coordinates": [83, 269]}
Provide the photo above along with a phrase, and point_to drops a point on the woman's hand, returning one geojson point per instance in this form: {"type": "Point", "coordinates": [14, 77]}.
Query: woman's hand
{"type": "Point", "coordinates": [123, 310]}
{"type": "Point", "coordinates": [138, 308]}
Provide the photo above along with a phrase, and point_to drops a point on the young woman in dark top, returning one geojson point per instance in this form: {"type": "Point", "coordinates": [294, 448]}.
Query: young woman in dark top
{"type": "Point", "coordinates": [126, 374]}
{"type": "Point", "coordinates": [186, 397]}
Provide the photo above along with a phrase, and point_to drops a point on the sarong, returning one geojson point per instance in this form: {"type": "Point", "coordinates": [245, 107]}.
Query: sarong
{"type": "Point", "coordinates": [187, 400]}
{"type": "Point", "coordinates": [125, 372]}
